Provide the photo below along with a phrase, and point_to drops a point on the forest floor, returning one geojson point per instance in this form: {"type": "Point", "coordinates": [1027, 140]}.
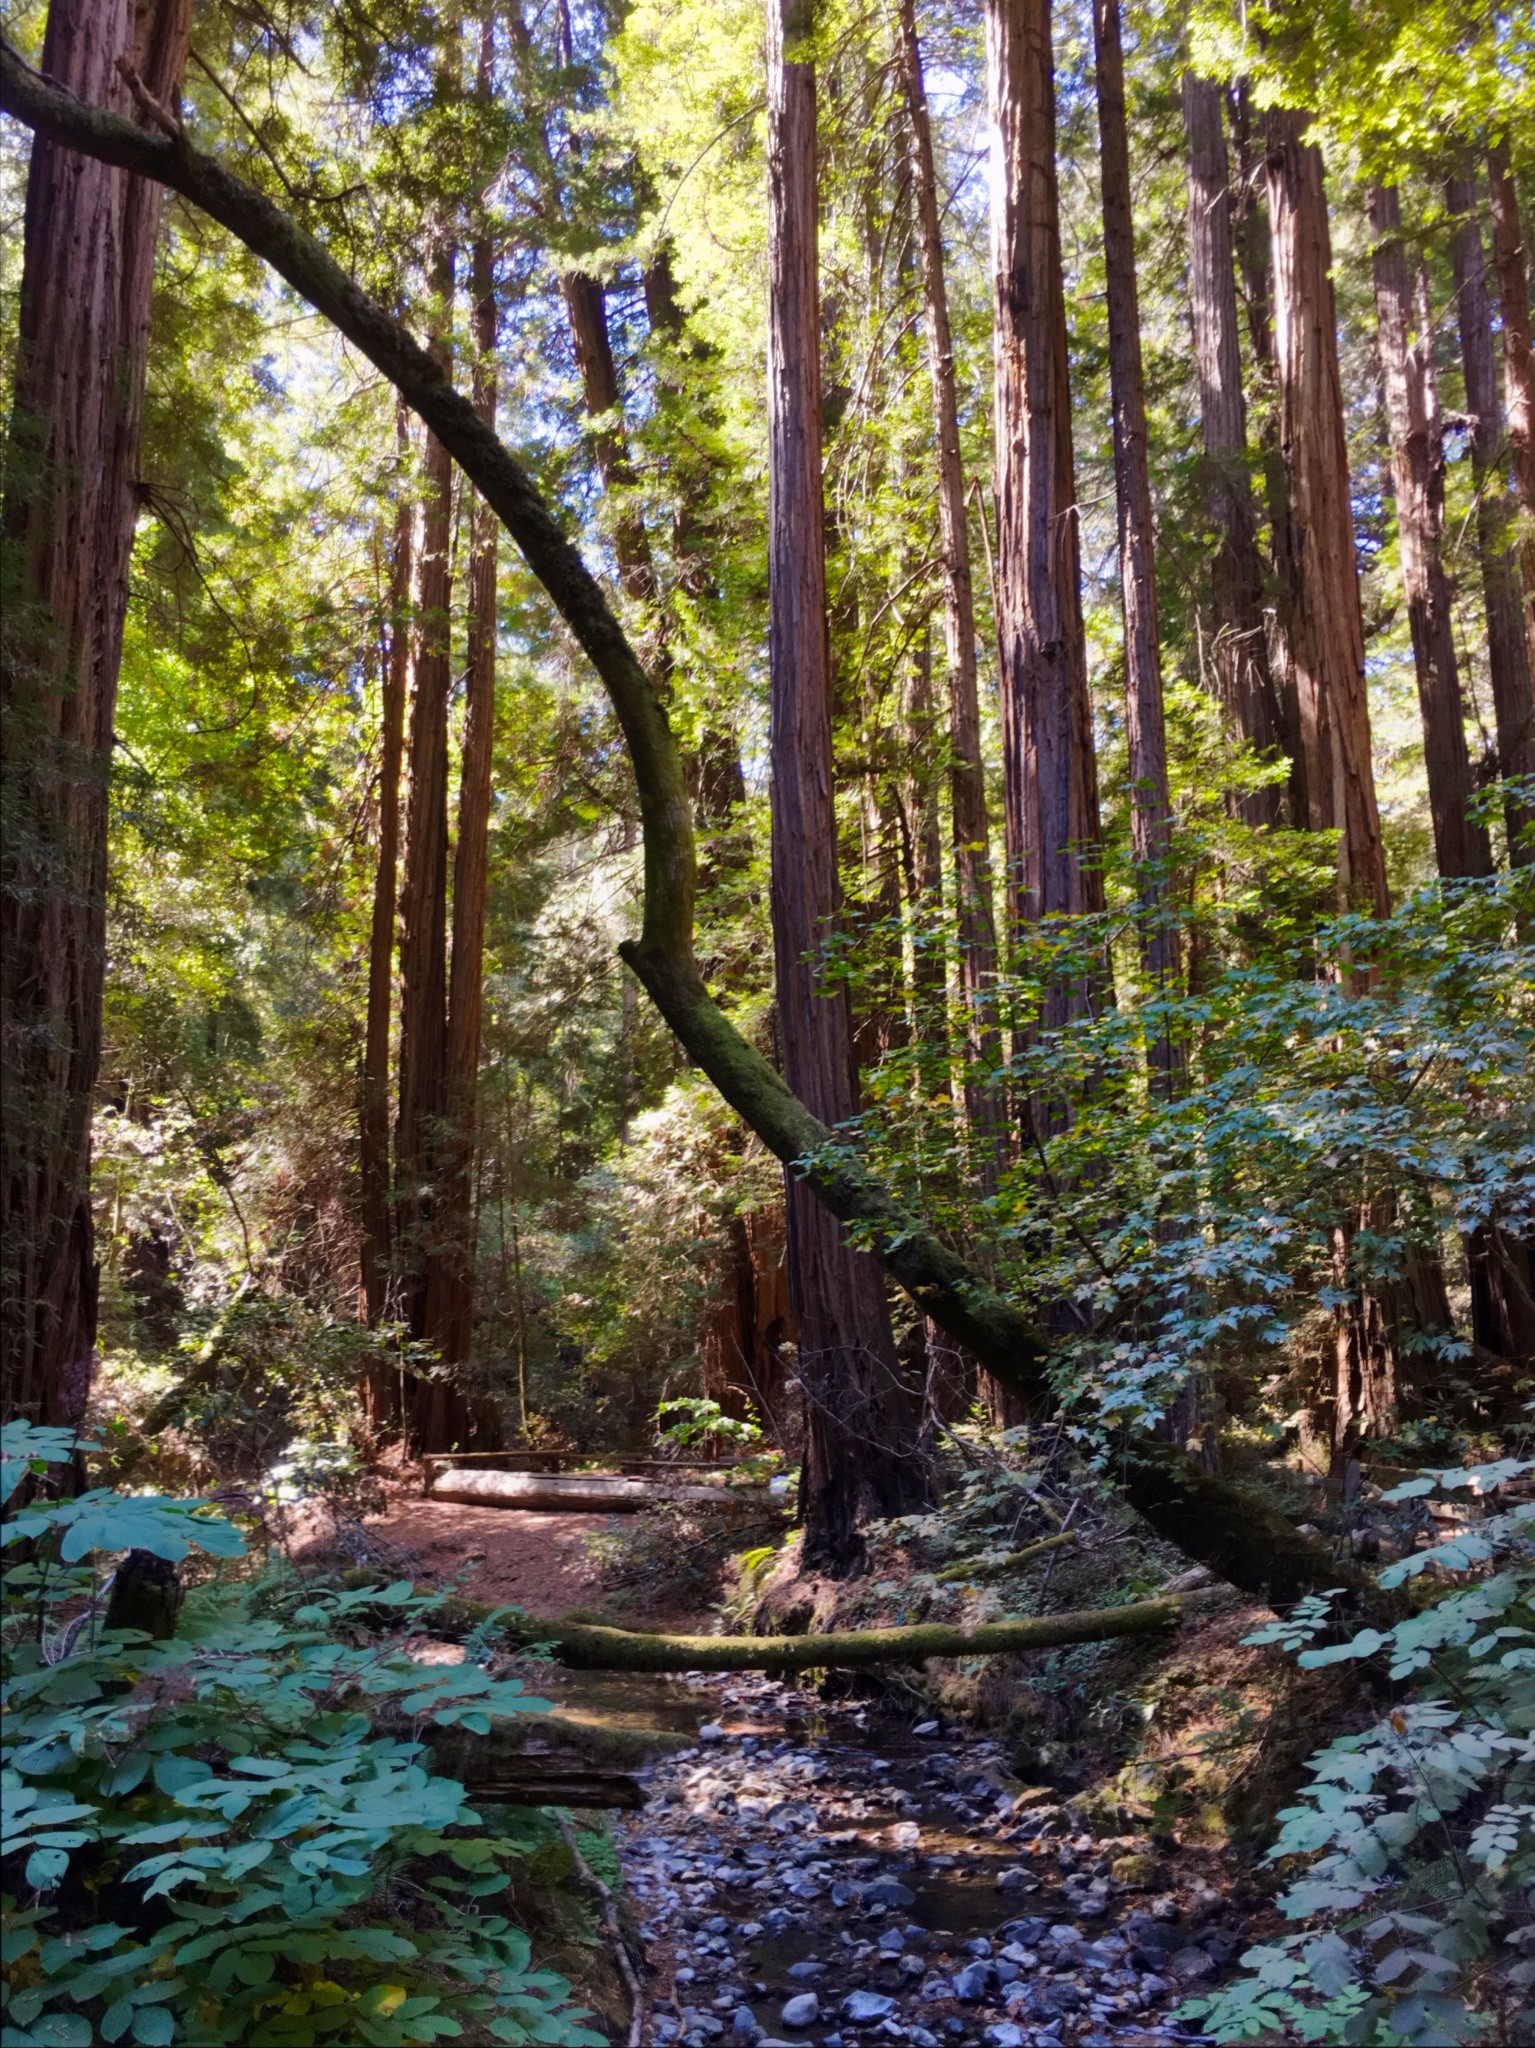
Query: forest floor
{"type": "Point", "coordinates": [1042, 1853]}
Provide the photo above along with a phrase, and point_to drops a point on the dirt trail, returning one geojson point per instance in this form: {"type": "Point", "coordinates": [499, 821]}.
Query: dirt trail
{"type": "Point", "coordinates": [504, 1556]}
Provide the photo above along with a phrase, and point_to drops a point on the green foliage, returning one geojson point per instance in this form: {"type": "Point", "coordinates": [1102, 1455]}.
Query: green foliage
{"type": "Point", "coordinates": [1417, 1834]}
{"type": "Point", "coordinates": [213, 1837]}
{"type": "Point", "coordinates": [688, 1419]}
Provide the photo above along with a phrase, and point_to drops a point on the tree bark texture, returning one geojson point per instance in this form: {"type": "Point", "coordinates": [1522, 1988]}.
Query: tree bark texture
{"type": "Point", "coordinates": [1050, 776]}
{"type": "Point", "coordinates": [373, 1120]}
{"type": "Point", "coordinates": [1238, 1534]}
{"type": "Point", "coordinates": [451, 1273]}
{"type": "Point", "coordinates": [1508, 650]}
{"type": "Point", "coordinates": [861, 1452]}
{"type": "Point", "coordinates": [1151, 811]}
{"type": "Point", "coordinates": [1334, 778]}
{"type": "Point", "coordinates": [1406, 346]}
{"type": "Point", "coordinates": [1238, 628]}
{"type": "Point", "coordinates": [970, 828]}
{"type": "Point", "coordinates": [71, 503]}
{"type": "Point", "coordinates": [1510, 257]}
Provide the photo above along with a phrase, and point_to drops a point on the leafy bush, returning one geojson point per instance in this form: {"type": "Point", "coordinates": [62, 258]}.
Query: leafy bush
{"type": "Point", "coordinates": [1419, 1832]}
{"type": "Point", "coordinates": [212, 1837]}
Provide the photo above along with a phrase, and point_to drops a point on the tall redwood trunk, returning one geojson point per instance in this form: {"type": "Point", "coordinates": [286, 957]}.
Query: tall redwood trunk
{"type": "Point", "coordinates": [860, 1450]}
{"type": "Point", "coordinates": [586, 307]}
{"type": "Point", "coordinates": [450, 1289]}
{"type": "Point", "coordinates": [424, 897]}
{"type": "Point", "coordinates": [1151, 820]}
{"type": "Point", "coordinates": [1508, 650]}
{"type": "Point", "coordinates": [68, 519]}
{"type": "Point", "coordinates": [970, 828]}
{"type": "Point", "coordinates": [1333, 787]}
{"type": "Point", "coordinates": [1511, 261]}
{"type": "Point", "coordinates": [1050, 776]}
{"type": "Point", "coordinates": [1239, 630]}
{"type": "Point", "coordinates": [1406, 344]}
{"type": "Point", "coordinates": [373, 1106]}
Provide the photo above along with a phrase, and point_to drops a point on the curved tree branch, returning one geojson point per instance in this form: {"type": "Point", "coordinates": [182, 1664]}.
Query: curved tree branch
{"type": "Point", "coordinates": [1235, 1533]}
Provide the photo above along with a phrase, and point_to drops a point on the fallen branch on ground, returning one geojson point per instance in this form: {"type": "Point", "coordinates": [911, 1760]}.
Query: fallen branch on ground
{"type": "Point", "coordinates": [607, 1907]}
{"type": "Point", "coordinates": [589, 1646]}
{"type": "Point", "coordinates": [983, 1567]}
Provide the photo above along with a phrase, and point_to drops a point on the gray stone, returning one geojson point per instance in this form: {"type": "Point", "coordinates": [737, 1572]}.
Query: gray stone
{"type": "Point", "coordinates": [803, 1972]}
{"type": "Point", "coordinates": [970, 1983]}
{"type": "Point", "coordinates": [1189, 1965]}
{"type": "Point", "coordinates": [1016, 1879]}
{"type": "Point", "coordinates": [802, 2011]}
{"type": "Point", "coordinates": [888, 1891]}
{"type": "Point", "coordinates": [1006, 1973]}
{"type": "Point", "coordinates": [866, 2005]}
{"type": "Point", "coordinates": [1005, 2035]}
{"type": "Point", "coordinates": [892, 1941]}
{"type": "Point", "coordinates": [743, 2024]}
{"type": "Point", "coordinates": [711, 1731]}
{"type": "Point", "coordinates": [919, 2037]}
{"type": "Point", "coordinates": [979, 1947]}
{"type": "Point", "coordinates": [748, 1930]}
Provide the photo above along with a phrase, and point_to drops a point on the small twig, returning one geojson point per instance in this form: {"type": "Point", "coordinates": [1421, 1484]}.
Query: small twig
{"type": "Point", "coordinates": [588, 1877]}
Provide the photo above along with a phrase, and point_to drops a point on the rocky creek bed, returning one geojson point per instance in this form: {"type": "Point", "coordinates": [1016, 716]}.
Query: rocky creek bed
{"type": "Point", "coordinates": [830, 1875]}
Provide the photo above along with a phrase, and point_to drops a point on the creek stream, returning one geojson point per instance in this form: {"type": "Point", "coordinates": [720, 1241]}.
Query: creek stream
{"type": "Point", "coordinates": [833, 1875]}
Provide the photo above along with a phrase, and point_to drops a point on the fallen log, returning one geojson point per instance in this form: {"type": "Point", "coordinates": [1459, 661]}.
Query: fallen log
{"type": "Point", "coordinates": [590, 1646]}
{"type": "Point", "coordinates": [531, 1785]}
{"type": "Point", "coordinates": [985, 1567]}
{"type": "Point", "coordinates": [577, 1493]}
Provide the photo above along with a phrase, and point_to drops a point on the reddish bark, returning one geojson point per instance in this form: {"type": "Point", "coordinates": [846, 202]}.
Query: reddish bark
{"type": "Point", "coordinates": [1406, 345]}
{"type": "Point", "coordinates": [1151, 818]}
{"type": "Point", "coordinates": [970, 827]}
{"type": "Point", "coordinates": [373, 1107]}
{"type": "Point", "coordinates": [1050, 778]}
{"type": "Point", "coordinates": [860, 1451]}
{"type": "Point", "coordinates": [1238, 628]}
{"type": "Point", "coordinates": [71, 503]}
{"type": "Point", "coordinates": [1511, 261]}
{"type": "Point", "coordinates": [1333, 786]}
{"type": "Point", "coordinates": [1508, 649]}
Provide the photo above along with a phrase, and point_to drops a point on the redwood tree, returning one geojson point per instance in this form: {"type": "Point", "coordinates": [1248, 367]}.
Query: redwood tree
{"type": "Point", "coordinates": [1406, 343]}
{"type": "Point", "coordinates": [1238, 628]}
{"type": "Point", "coordinates": [1511, 261]}
{"type": "Point", "coordinates": [860, 1451]}
{"type": "Point", "coordinates": [1150, 802]}
{"type": "Point", "coordinates": [68, 519]}
{"type": "Point", "coordinates": [1050, 777]}
{"type": "Point", "coordinates": [1508, 650]}
{"type": "Point", "coordinates": [1333, 785]}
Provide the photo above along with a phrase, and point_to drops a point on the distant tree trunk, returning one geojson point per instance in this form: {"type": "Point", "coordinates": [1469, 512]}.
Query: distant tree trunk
{"type": "Point", "coordinates": [1508, 651]}
{"type": "Point", "coordinates": [970, 829]}
{"type": "Point", "coordinates": [373, 1118]}
{"type": "Point", "coordinates": [1334, 779]}
{"type": "Point", "coordinates": [1511, 260]}
{"type": "Point", "coordinates": [1151, 811]}
{"type": "Point", "coordinates": [923, 856]}
{"type": "Point", "coordinates": [1050, 776]}
{"type": "Point", "coordinates": [68, 519]}
{"type": "Point", "coordinates": [424, 897]}
{"type": "Point", "coordinates": [450, 1292]}
{"type": "Point", "coordinates": [1239, 631]}
{"type": "Point", "coordinates": [586, 306]}
{"type": "Point", "coordinates": [1406, 349]}
{"type": "Point", "coordinates": [861, 1453]}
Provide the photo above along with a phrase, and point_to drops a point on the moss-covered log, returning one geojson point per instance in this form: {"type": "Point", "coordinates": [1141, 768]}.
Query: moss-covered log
{"type": "Point", "coordinates": [1220, 1526]}
{"type": "Point", "coordinates": [593, 1493]}
{"type": "Point", "coordinates": [587, 1646]}
{"type": "Point", "coordinates": [984, 1567]}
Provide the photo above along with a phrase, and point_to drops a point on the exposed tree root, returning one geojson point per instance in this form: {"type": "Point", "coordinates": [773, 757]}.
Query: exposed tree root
{"type": "Point", "coordinates": [969, 1568]}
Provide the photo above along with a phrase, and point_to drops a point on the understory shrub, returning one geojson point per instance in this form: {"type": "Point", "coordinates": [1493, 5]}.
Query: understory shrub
{"type": "Point", "coordinates": [1416, 1836]}
{"type": "Point", "coordinates": [208, 1838]}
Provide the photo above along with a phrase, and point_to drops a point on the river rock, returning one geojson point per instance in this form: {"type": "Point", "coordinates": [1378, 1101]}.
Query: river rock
{"type": "Point", "coordinates": [801, 2011]}
{"type": "Point", "coordinates": [866, 2005]}
{"type": "Point", "coordinates": [1189, 1965]}
{"type": "Point", "coordinates": [888, 1891]}
{"type": "Point", "coordinates": [805, 1971]}
{"type": "Point", "coordinates": [743, 2024]}
{"type": "Point", "coordinates": [1004, 2035]}
{"type": "Point", "coordinates": [970, 1983]}
{"type": "Point", "coordinates": [892, 1941]}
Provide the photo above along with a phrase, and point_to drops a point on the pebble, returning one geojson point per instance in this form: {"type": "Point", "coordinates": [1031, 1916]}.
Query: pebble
{"type": "Point", "coordinates": [801, 2011]}
{"type": "Point", "coordinates": [743, 2024]}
